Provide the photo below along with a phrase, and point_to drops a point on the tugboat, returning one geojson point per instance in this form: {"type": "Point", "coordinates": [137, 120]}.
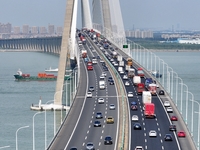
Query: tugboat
{"type": "Point", "coordinates": [19, 76]}
{"type": "Point", "coordinates": [156, 74]}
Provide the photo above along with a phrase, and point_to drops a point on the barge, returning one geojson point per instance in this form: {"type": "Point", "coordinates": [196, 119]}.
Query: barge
{"type": "Point", "coordinates": [19, 76]}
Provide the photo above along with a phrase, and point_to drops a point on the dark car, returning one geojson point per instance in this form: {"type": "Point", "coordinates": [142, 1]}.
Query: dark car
{"type": "Point", "coordinates": [133, 107]}
{"type": "Point", "coordinates": [98, 57]}
{"type": "Point", "coordinates": [110, 79]}
{"type": "Point", "coordinates": [105, 68]}
{"type": "Point", "coordinates": [91, 88]}
{"type": "Point", "coordinates": [97, 123]}
{"type": "Point", "coordinates": [168, 137]}
{"type": "Point", "coordinates": [137, 126]}
{"type": "Point", "coordinates": [172, 127]}
{"type": "Point", "coordinates": [108, 140]}
{"type": "Point", "coordinates": [73, 148]}
{"type": "Point", "coordinates": [99, 115]}
{"type": "Point", "coordinates": [161, 92]}
{"type": "Point", "coordinates": [112, 82]}
{"type": "Point", "coordinates": [133, 103]}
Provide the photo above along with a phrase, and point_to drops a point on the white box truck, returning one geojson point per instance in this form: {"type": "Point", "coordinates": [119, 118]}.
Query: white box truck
{"type": "Point", "coordinates": [121, 63]}
{"type": "Point", "coordinates": [146, 97]}
{"type": "Point", "coordinates": [119, 58]}
{"type": "Point", "coordinates": [136, 80]}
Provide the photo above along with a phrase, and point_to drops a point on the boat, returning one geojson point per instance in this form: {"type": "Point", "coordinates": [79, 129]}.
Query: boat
{"type": "Point", "coordinates": [156, 74]}
{"type": "Point", "coordinates": [49, 107]}
{"type": "Point", "coordinates": [55, 70]}
{"type": "Point", "coordinates": [19, 76]}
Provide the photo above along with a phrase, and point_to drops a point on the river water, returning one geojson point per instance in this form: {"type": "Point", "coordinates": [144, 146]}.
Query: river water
{"type": "Point", "coordinates": [17, 97]}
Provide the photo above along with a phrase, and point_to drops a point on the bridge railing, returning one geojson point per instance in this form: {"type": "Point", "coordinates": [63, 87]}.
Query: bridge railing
{"type": "Point", "coordinates": [178, 91]}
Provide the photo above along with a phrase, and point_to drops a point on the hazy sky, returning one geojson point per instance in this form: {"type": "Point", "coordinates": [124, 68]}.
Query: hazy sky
{"type": "Point", "coordinates": [153, 14]}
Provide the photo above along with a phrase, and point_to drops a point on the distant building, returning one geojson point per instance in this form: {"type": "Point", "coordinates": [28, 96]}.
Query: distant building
{"type": "Point", "coordinates": [5, 28]}
{"type": "Point", "coordinates": [16, 30]}
{"type": "Point", "coordinates": [34, 30]}
{"type": "Point", "coordinates": [59, 30]}
{"type": "Point", "coordinates": [51, 29]}
{"type": "Point", "coordinates": [43, 30]}
{"type": "Point", "coordinates": [139, 34]}
{"type": "Point", "coordinates": [25, 29]}
{"type": "Point", "coordinates": [188, 41]}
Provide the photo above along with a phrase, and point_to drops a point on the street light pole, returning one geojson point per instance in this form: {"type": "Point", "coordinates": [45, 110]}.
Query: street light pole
{"type": "Point", "coordinates": [181, 92]}
{"type": "Point", "coordinates": [192, 112]}
{"type": "Point", "coordinates": [46, 125]}
{"type": "Point", "coordinates": [186, 101]}
{"type": "Point", "coordinates": [198, 121]}
{"type": "Point", "coordinates": [34, 129]}
{"type": "Point", "coordinates": [16, 135]}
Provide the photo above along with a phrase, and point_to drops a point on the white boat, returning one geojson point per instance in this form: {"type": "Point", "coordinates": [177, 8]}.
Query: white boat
{"type": "Point", "coordinates": [52, 106]}
{"type": "Point", "coordinates": [55, 70]}
{"type": "Point", "coordinates": [156, 74]}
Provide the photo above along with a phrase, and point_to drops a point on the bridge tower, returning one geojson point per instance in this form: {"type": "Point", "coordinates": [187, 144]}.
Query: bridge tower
{"type": "Point", "coordinates": [86, 15]}
{"type": "Point", "coordinates": [67, 47]}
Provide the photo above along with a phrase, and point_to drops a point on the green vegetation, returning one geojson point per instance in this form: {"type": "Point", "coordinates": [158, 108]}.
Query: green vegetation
{"type": "Point", "coordinates": [157, 44]}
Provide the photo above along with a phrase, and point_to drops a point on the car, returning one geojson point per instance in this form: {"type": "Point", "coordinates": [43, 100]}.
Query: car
{"type": "Point", "coordinates": [98, 57]}
{"type": "Point", "coordinates": [73, 148]}
{"type": "Point", "coordinates": [134, 118]}
{"type": "Point", "coordinates": [125, 77]}
{"type": "Point", "coordinates": [168, 137]}
{"type": "Point", "coordinates": [133, 103]}
{"type": "Point", "coordinates": [110, 79]}
{"type": "Point", "coordinates": [161, 92]}
{"type": "Point", "coordinates": [89, 94]}
{"type": "Point", "coordinates": [102, 77]}
{"type": "Point", "coordinates": [102, 61]}
{"type": "Point", "coordinates": [130, 94]}
{"type": "Point", "coordinates": [111, 59]}
{"type": "Point", "coordinates": [101, 100]}
{"type": "Point", "coordinates": [104, 74]}
{"type": "Point", "coordinates": [116, 64]}
{"type": "Point", "coordinates": [90, 146]}
{"type": "Point", "coordinates": [97, 123]}
{"type": "Point", "coordinates": [133, 107]}
{"type": "Point", "coordinates": [99, 115]}
{"type": "Point", "coordinates": [112, 106]}
{"type": "Point", "coordinates": [166, 103]}
{"type": "Point", "coordinates": [137, 126]}
{"type": "Point", "coordinates": [172, 127]}
{"type": "Point", "coordinates": [127, 83]}
{"type": "Point", "coordinates": [181, 134]}
{"type": "Point", "coordinates": [101, 48]}
{"type": "Point", "coordinates": [105, 68]}
{"type": "Point", "coordinates": [112, 82]}
{"type": "Point", "coordinates": [139, 148]}
{"type": "Point", "coordinates": [152, 133]}
{"type": "Point", "coordinates": [108, 140]}
{"type": "Point", "coordinates": [169, 110]}
{"type": "Point", "coordinates": [91, 89]}
{"type": "Point", "coordinates": [121, 72]}
{"type": "Point", "coordinates": [140, 73]}
{"type": "Point", "coordinates": [109, 119]}
{"type": "Point", "coordinates": [173, 118]}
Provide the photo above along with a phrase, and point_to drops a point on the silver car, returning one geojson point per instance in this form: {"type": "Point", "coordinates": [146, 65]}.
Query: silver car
{"type": "Point", "coordinates": [90, 146]}
{"type": "Point", "coordinates": [111, 106]}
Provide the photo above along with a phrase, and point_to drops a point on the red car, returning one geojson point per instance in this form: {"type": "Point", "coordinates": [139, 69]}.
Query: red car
{"type": "Point", "coordinates": [173, 118]}
{"type": "Point", "coordinates": [181, 134]}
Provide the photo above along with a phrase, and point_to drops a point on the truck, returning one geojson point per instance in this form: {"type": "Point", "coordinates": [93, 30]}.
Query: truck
{"type": "Point", "coordinates": [148, 81]}
{"type": "Point", "coordinates": [146, 97]}
{"type": "Point", "coordinates": [136, 80]}
{"type": "Point", "coordinates": [152, 88]}
{"type": "Point", "coordinates": [149, 110]}
{"type": "Point", "coordinates": [131, 72]}
{"type": "Point", "coordinates": [89, 65]}
{"type": "Point", "coordinates": [94, 60]}
{"type": "Point", "coordinates": [127, 67]}
{"type": "Point", "coordinates": [119, 58]}
{"type": "Point", "coordinates": [120, 69]}
{"type": "Point", "coordinates": [140, 88]}
{"type": "Point", "coordinates": [121, 63]}
{"type": "Point", "coordinates": [101, 84]}
{"type": "Point", "coordinates": [114, 54]}
{"type": "Point", "coordinates": [84, 53]}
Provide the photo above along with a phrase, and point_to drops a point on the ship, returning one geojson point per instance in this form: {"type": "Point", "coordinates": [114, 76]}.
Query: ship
{"type": "Point", "coordinates": [156, 74]}
{"type": "Point", "coordinates": [19, 76]}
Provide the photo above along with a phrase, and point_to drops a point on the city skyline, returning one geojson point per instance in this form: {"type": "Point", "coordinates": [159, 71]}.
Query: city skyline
{"type": "Point", "coordinates": [154, 15]}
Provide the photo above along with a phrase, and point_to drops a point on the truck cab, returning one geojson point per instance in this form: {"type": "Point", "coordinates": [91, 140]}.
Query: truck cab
{"type": "Point", "coordinates": [89, 65]}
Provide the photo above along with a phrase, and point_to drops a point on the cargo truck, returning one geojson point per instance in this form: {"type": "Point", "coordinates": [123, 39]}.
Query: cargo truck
{"type": "Point", "coordinates": [152, 88]}
{"type": "Point", "coordinates": [146, 97]}
{"type": "Point", "coordinates": [140, 88]}
{"type": "Point", "coordinates": [84, 53]}
{"type": "Point", "coordinates": [131, 72]}
{"type": "Point", "coordinates": [121, 63]}
{"type": "Point", "coordinates": [119, 58]}
{"type": "Point", "coordinates": [149, 110]}
{"type": "Point", "coordinates": [127, 67]}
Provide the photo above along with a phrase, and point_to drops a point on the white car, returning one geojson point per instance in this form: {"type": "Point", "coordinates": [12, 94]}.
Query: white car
{"type": "Point", "coordinates": [125, 77]}
{"type": "Point", "coordinates": [130, 94]}
{"type": "Point", "coordinates": [166, 104]}
{"type": "Point", "coordinates": [102, 77]}
{"type": "Point", "coordinates": [101, 48]}
{"type": "Point", "coordinates": [169, 109]}
{"type": "Point", "coordinates": [89, 94]}
{"type": "Point", "coordinates": [112, 106]}
{"type": "Point", "coordinates": [139, 148]}
{"type": "Point", "coordinates": [127, 83]}
{"type": "Point", "coordinates": [152, 133]}
{"type": "Point", "coordinates": [101, 61]}
{"type": "Point", "coordinates": [104, 74]}
{"type": "Point", "coordinates": [100, 100]}
{"type": "Point", "coordinates": [121, 72]}
{"type": "Point", "coordinates": [115, 64]}
{"type": "Point", "coordinates": [135, 118]}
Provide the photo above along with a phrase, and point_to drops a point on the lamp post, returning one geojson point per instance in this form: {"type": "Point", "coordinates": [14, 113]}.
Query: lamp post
{"type": "Point", "coordinates": [55, 112]}
{"type": "Point", "coordinates": [192, 112]}
{"type": "Point", "coordinates": [34, 129]}
{"type": "Point", "coordinates": [46, 124]}
{"type": "Point", "coordinates": [176, 87]}
{"type": "Point", "coordinates": [163, 71]}
{"type": "Point", "coordinates": [181, 91]}
{"type": "Point", "coordinates": [16, 135]}
{"type": "Point", "coordinates": [198, 121]}
{"type": "Point", "coordinates": [186, 101]}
